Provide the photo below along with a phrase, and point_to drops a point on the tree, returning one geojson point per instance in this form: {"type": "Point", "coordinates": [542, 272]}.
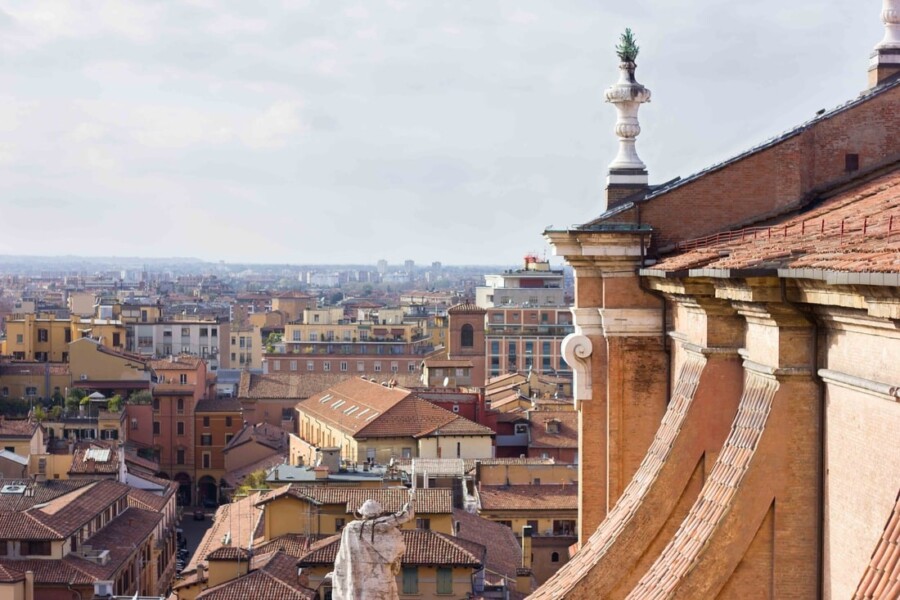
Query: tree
{"type": "Point", "coordinates": [627, 48]}
{"type": "Point", "coordinates": [114, 404]}
{"type": "Point", "coordinates": [274, 338]}
{"type": "Point", "coordinates": [253, 481]}
{"type": "Point", "coordinates": [39, 413]}
{"type": "Point", "coordinates": [140, 397]}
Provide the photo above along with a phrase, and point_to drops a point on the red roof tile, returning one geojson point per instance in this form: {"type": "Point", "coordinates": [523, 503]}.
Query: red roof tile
{"type": "Point", "coordinates": [423, 547]}
{"type": "Point", "coordinates": [528, 497]}
{"type": "Point", "coordinates": [854, 231]}
{"type": "Point", "coordinates": [882, 576]}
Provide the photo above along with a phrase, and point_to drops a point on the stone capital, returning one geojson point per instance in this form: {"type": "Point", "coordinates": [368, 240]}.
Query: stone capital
{"type": "Point", "coordinates": [577, 350]}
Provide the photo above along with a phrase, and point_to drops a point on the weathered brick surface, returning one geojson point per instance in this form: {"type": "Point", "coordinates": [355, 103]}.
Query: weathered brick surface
{"type": "Point", "coordinates": [777, 177]}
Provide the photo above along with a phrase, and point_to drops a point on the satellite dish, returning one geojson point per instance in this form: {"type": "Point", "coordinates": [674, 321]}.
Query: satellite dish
{"type": "Point", "coordinates": [446, 381]}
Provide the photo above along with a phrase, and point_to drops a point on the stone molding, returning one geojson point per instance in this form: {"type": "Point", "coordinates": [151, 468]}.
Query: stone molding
{"type": "Point", "coordinates": [577, 350]}
{"type": "Point", "coordinates": [631, 322]}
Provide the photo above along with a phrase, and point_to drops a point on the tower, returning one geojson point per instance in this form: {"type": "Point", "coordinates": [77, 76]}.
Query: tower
{"type": "Point", "coordinates": [466, 338]}
{"type": "Point", "coordinates": [627, 172]}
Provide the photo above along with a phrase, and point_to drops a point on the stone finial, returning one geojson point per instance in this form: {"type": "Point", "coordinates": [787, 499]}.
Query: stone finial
{"type": "Point", "coordinates": [886, 57]}
{"type": "Point", "coordinates": [627, 172]}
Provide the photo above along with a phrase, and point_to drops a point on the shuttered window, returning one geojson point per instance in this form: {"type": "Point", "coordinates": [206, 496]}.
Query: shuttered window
{"type": "Point", "coordinates": [444, 580]}
{"type": "Point", "coordinates": [410, 580]}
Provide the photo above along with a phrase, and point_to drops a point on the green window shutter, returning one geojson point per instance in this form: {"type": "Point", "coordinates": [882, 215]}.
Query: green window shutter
{"type": "Point", "coordinates": [444, 580]}
{"type": "Point", "coordinates": [410, 580]}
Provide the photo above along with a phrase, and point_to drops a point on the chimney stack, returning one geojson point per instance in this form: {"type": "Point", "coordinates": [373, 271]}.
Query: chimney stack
{"type": "Point", "coordinates": [627, 172]}
{"type": "Point", "coordinates": [885, 63]}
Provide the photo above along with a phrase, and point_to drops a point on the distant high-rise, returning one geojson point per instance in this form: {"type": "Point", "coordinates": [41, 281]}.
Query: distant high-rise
{"type": "Point", "coordinates": [382, 266]}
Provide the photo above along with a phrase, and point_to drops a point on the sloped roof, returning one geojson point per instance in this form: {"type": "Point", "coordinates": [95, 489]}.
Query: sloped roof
{"type": "Point", "coordinates": [504, 554]}
{"type": "Point", "coordinates": [241, 519]}
{"type": "Point", "coordinates": [287, 385]}
{"type": "Point", "coordinates": [276, 579]}
{"type": "Point", "coordinates": [882, 576]}
{"type": "Point", "coordinates": [528, 497]}
{"type": "Point", "coordinates": [423, 547]}
{"type": "Point", "coordinates": [855, 231]}
{"type": "Point", "coordinates": [428, 501]}
{"type": "Point", "coordinates": [22, 428]}
{"type": "Point", "coordinates": [567, 437]}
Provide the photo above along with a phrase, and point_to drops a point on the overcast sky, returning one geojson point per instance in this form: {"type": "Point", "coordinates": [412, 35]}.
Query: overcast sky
{"type": "Point", "coordinates": [344, 132]}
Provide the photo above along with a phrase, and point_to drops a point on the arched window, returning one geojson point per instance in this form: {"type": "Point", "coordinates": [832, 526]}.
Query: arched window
{"type": "Point", "coordinates": [554, 557]}
{"type": "Point", "coordinates": [467, 336]}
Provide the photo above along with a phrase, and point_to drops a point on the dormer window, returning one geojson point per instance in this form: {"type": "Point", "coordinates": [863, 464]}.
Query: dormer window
{"type": "Point", "coordinates": [553, 426]}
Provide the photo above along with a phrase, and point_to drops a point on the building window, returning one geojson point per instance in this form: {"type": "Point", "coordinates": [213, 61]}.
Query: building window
{"type": "Point", "coordinates": [180, 405]}
{"type": "Point", "coordinates": [326, 366]}
{"type": "Point", "coordinates": [206, 421]}
{"type": "Point", "coordinates": [293, 365]}
{"type": "Point", "coordinates": [467, 336]}
{"type": "Point", "coordinates": [35, 548]}
{"type": "Point", "coordinates": [156, 404]}
{"type": "Point", "coordinates": [410, 580]}
{"type": "Point", "coordinates": [360, 366]}
{"type": "Point", "coordinates": [227, 421]}
{"type": "Point", "coordinates": [554, 557]}
{"type": "Point", "coordinates": [3, 546]}
{"type": "Point", "coordinates": [206, 439]}
{"type": "Point", "coordinates": [4, 392]}
{"type": "Point", "coordinates": [182, 379]}
{"type": "Point", "coordinates": [376, 367]}
{"type": "Point", "coordinates": [310, 365]}
{"type": "Point", "coordinates": [444, 580]}
{"type": "Point", "coordinates": [411, 367]}
{"type": "Point", "coordinates": [339, 524]}
{"type": "Point", "coordinates": [156, 427]}
{"type": "Point", "coordinates": [228, 437]}
{"type": "Point", "coordinates": [406, 453]}
{"type": "Point", "coordinates": [343, 365]}
{"type": "Point", "coordinates": [179, 456]}
{"type": "Point", "coordinates": [394, 366]}
{"type": "Point", "coordinates": [276, 365]}
{"type": "Point", "coordinates": [423, 523]}
{"type": "Point", "coordinates": [68, 336]}
{"type": "Point", "coordinates": [179, 427]}
{"type": "Point", "coordinates": [206, 460]}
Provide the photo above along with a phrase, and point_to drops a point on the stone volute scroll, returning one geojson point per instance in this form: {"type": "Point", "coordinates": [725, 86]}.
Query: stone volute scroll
{"type": "Point", "coordinates": [577, 349]}
{"type": "Point", "coordinates": [368, 560]}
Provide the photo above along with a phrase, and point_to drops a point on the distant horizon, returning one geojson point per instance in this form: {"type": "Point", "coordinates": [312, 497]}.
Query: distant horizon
{"type": "Point", "coordinates": [336, 133]}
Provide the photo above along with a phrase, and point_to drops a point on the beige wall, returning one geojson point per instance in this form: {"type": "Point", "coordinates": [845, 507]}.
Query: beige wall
{"type": "Point", "coordinates": [448, 446]}
{"type": "Point", "coordinates": [503, 474]}
{"type": "Point", "coordinates": [86, 359]}
{"type": "Point", "coordinates": [862, 447]}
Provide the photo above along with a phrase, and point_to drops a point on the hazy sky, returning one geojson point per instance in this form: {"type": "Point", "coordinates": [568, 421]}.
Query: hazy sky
{"type": "Point", "coordinates": [336, 132]}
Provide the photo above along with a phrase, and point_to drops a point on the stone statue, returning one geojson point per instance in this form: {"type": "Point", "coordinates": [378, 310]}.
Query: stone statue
{"type": "Point", "coordinates": [368, 560]}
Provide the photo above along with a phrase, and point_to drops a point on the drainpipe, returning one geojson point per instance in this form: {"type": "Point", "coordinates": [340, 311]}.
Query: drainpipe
{"type": "Point", "coordinates": [820, 466]}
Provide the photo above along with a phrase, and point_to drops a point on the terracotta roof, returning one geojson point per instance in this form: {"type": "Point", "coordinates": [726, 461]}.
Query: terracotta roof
{"type": "Point", "coordinates": [38, 493]}
{"type": "Point", "coordinates": [504, 554]}
{"type": "Point", "coordinates": [567, 422]}
{"type": "Point", "coordinates": [465, 309]}
{"type": "Point", "coordinates": [868, 214]}
{"type": "Point", "coordinates": [232, 405]}
{"type": "Point", "coordinates": [882, 576]}
{"type": "Point", "coordinates": [235, 477]}
{"type": "Point", "coordinates": [148, 500]}
{"type": "Point", "coordinates": [182, 362]}
{"type": "Point", "coordinates": [528, 497]}
{"type": "Point", "coordinates": [264, 434]}
{"type": "Point", "coordinates": [287, 385]}
{"type": "Point", "coordinates": [295, 544]}
{"type": "Point", "coordinates": [599, 543]}
{"type": "Point", "coordinates": [423, 547]}
{"type": "Point", "coordinates": [430, 501]}
{"type": "Point", "coordinates": [365, 409]}
{"type": "Point", "coordinates": [274, 580]}
{"type": "Point", "coordinates": [718, 491]}
{"type": "Point", "coordinates": [241, 519]}
{"type": "Point", "coordinates": [17, 428]}
{"type": "Point", "coordinates": [96, 458]}
{"type": "Point", "coordinates": [228, 553]}
{"type": "Point", "coordinates": [458, 426]}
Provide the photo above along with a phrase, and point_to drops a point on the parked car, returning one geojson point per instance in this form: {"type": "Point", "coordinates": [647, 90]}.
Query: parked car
{"type": "Point", "coordinates": [199, 515]}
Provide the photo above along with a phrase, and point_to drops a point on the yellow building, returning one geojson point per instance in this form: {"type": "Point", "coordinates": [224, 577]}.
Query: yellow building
{"type": "Point", "coordinates": [23, 437]}
{"type": "Point", "coordinates": [323, 510]}
{"type": "Point", "coordinates": [434, 565]}
{"type": "Point", "coordinates": [44, 338]}
{"type": "Point", "coordinates": [372, 423]}
{"type": "Point", "coordinates": [33, 380]}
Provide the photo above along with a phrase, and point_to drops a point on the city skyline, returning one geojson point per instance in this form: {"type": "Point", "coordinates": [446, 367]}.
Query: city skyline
{"type": "Point", "coordinates": [318, 133]}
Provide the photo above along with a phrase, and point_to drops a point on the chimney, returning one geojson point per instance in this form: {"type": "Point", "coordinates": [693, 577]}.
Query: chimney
{"type": "Point", "coordinates": [526, 547]}
{"type": "Point", "coordinates": [627, 172]}
{"type": "Point", "coordinates": [29, 585]}
{"type": "Point", "coordinates": [523, 581]}
{"type": "Point", "coordinates": [885, 63]}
